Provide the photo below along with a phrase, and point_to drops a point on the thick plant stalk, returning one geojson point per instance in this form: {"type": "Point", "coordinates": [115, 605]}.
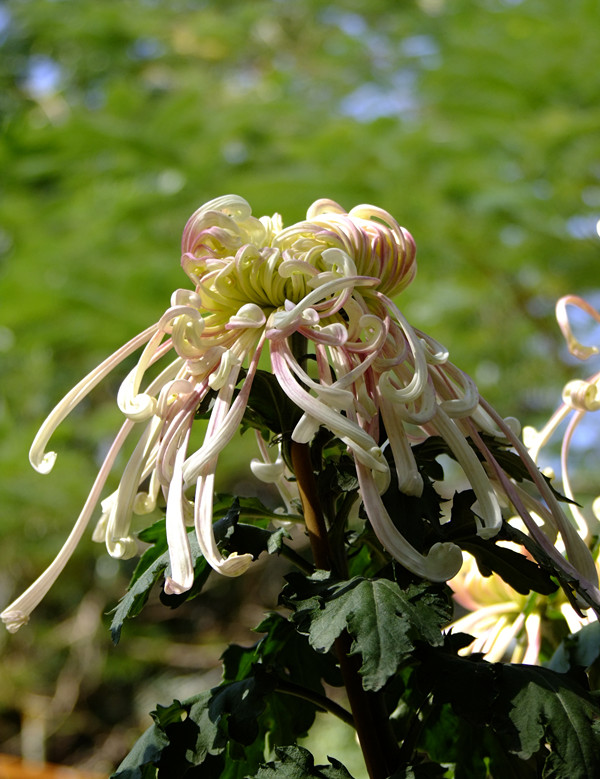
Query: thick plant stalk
{"type": "Point", "coordinates": [379, 748]}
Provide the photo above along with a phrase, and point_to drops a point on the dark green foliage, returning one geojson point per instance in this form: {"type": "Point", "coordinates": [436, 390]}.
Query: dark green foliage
{"type": "Point", "coordinates": [297, 763]}
{"type": "Point", "coordinates": [385, 621]}
{"type": "Point", "coordinates": [520, 712]}
{"type": "Point", "coordinates": [527, 721]}
{"type": "Point", "coordinates": [578, 650]}
{"type": "Point", "coordinates": [233, 536]}
{"type": "Point", "coordinates": [269, 409]}
{"type": "Point", "coordinates": [271, 690]}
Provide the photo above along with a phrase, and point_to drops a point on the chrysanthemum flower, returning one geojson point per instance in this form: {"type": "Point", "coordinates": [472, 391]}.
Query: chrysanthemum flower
{"type": "Point", "coordinates": [579, 397]}
{"type": "Point", "coordinates": [505, 625]}
{"type": "Point", "coordinates": [502, 621]}
{"type": "Point", "coordinates": [256, 287]}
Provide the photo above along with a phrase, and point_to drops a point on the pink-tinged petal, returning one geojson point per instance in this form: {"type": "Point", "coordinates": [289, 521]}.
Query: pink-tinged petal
{"type": "Point", "coordinates": [281, 321]}
{"type": "Point", "coordinates": [330, 335]}
{"type": "Point", "coordinates": [338, 398]}
{"type": "Point", "coordinates": [43, 461]}
{"type": "Point", "coordinates": [410, 480]}
{"type": "Point", "coordinates": [227, 417]}
{"type": "Point", "coordinates": [17, 613]}
{"type": "Point", "coordinates": [575, 347]}
{"type": "Point", "coordinates": [182, 568]}
{"type": "Point", "coordinates": [580, 564]}
{"type": "Point", "coordinates": [489, 510]}
{"type": "Point", "coordinates": [442, 562]}
{"type": "Point", "coordinates": [248, 315]}
{"type": "Point", "coordinates": [582, 524]}
{"type": "Point", "coordinates": [235, 564]}
{"type": "Point", "coordinates": [133, 404]}
{"type": "Point", "coordinates": [119, 542]}
{"type": "Point", "coordinates": [412, 391]}
{"type": "Point", "coordinates": [361, 443]}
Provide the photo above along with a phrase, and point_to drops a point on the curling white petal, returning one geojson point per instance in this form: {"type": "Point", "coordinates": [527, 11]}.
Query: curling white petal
{"type": "Point", "coordinates": [229, 362]}
{"type": "Point", "coordinates": [182, 569]}
{"type": "Point", "coordinates": [269, 473]}
{"type": "Point", "coordinates": [17, 613]}
{"type": "Point", "coordinates": [359, 441]}
{"type": "Point", "coordinates": [133, 404]}
{"type": "Point", "coordinates": [225, 418]}
{"type": "Point", "coordinates": [410, 480]}
{"type": "Point", "coordinates": [474, 471]}
{"type": "Point", "coordinates": [248, 315]}
{"type": "Point", "coordinates": [43, 461]}
{"type": "Point", "coordinates": [305, 430]}
{"type": "Point", "coordinates": [442, 562]}
{"type": "Point", "coordinates": [235, 564]}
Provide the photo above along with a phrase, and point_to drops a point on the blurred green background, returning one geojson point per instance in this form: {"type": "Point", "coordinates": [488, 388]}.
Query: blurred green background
{"type": "Point", "coordinates": [475, 122]}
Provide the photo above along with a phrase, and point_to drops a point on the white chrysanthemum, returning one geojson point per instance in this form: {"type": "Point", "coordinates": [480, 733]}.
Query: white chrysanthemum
{"type": "Point", "coordinates": [331, 280]}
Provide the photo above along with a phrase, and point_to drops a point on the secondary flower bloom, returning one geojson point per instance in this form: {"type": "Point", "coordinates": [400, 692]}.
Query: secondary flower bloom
{"type": "Point", "coordinates": [502, 621]}
{"type": "Point", "coordinates": [505, 625]}
{"type": "Point", "coordinates": [579, 397]}
{"type": "Point", "coordinates": [257, 286]}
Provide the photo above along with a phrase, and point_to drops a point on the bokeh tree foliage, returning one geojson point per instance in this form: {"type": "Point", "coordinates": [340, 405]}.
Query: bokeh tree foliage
{"type": "Point", "coordinates": [475, 122]}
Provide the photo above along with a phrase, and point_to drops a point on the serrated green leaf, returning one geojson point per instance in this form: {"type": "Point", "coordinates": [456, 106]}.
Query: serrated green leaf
{"type": "Point", "coordinates": [142, 760]}
{"type": "Point", "coordinates": [146, 754]}
{"type": "Point", "coordinates": [522, 574]}
{"type": "Point", "coordinates": [578, 650]}
{"type": "Point", "coordinates": [248, 507]}
{"type": "Point", "coordinates": [533, 712]}
{"type": "Point", "coordinates": [152, 565]}
{"type": "Point", "coordinates": [296, 762]}
{"type": "Point", "coordinates": [231, 535]}
{"type": "Point", "coordinates": [289, 660]}
{"type": "Point", "coordinates": [384, 620]}
{"type": "Point", "coordinates": [538, 706]}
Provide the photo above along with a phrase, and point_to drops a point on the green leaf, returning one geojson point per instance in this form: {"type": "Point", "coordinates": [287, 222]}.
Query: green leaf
{"type": "Point", "coordinates": [419, 771]}
{"type": "Point", "coordinates": [231, 535]}
{"type": "Point", "coordinates": [249, 508]}
{"type": "Point", "coordinates": [141, 761]}
{"type": "Point", "coordinates": [218, 724]}
{"type": "Point", "coordinates": [522, 574]}
{"type": "Point", "coordinates": [152, 565]}
{"type": "Point", "coordinates": [231, 712]}
{"type": "Point", "coordinates": [269, 408]}
{"type": "Point", "coordinates": [297, 763]}
{"type": "Point", "coordinates": [517, 570]}
{"type": "Point", "coordinates": [538, 706]}
{"type": "Point", "coordinates": [447, 738]}
{"type": "Point", "coordinates": [159, 739]}
{"type": "Point", "coordinates": [384, 620]}
{"type": "Point", "coordinates": [578, 650]}
{"type": "Point", "coordinates": [532, 712]}
{"type": "Point", "coordinates": [293, 667]}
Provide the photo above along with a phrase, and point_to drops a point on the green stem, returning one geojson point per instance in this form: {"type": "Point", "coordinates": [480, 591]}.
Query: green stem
{"type": "Point", "coordinates": [322, 701]}
{"type": "Point", "coordinates": [379, 747]}
{"type": "Point", "coordinates": [297, 560]}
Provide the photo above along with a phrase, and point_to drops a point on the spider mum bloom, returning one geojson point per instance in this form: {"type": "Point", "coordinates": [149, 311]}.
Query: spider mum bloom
{"type": "Point", "coordinates": [503, 621]}
{"type": "Point", "coordinates": [257, 286]}
{"type": "Point", "coordinates": [504, 624]}
{"type": "Point", "coordinates": [579, 397]}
